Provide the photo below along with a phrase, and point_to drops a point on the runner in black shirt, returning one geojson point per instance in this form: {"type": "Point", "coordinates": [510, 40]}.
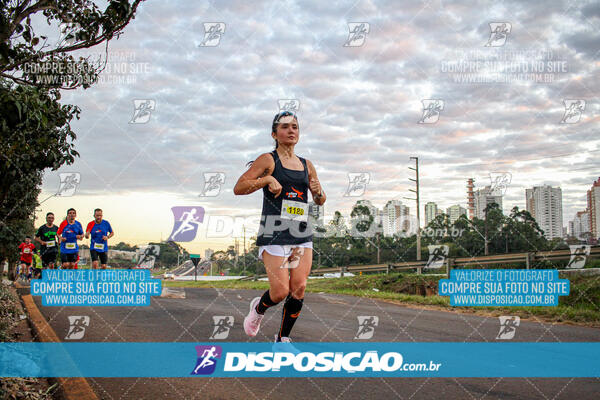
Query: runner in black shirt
{"type": "Point", "coordinates": [46, 237]}
{"type": "Point", "coordinates": [284, 239]}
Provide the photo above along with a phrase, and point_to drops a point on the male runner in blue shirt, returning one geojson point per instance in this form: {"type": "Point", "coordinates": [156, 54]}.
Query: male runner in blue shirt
{"type": "Point", "coordinates": [100, 231]}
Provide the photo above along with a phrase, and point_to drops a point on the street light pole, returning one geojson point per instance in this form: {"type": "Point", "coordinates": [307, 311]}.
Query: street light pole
{"type": "Point", "coordinates": [485, 239]}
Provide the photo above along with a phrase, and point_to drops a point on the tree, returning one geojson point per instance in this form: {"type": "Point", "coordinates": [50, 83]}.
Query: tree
{"type": "Point", "coordinates": [363, 216]}
{"type": "Point", "coordinates": [440, 224]}
{"type": "Point", "coordinates": [124, 247]}
{"type": "Point", "coordinates": [524, 233]}
{"type": "Point", "coordinates": [27, 57]}
{"type": "Point", "coordinates": [35, 130]}
{"type": "Point", "coordinates": [168, 254]}
{"type": "Point", "coordinates": [35, 134]}
{"type": "Point", "coordinates": [17, 221]}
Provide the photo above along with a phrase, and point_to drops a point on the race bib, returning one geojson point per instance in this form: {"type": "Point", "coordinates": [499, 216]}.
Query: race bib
{"type": "Point", "coordinates": [50, 244]}
{"type": "Point", "coordinates": [27, 250]}
{"type": "Point", "coordinates": [98, 246]}
{"type": "Point", "coordinates": [70, 246]}
{"type": "Point", "coordinates": [294, 210]}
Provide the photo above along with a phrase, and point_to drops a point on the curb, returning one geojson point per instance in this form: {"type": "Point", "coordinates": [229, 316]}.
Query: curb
{"type": "Point", "coordinates": [73, 388]}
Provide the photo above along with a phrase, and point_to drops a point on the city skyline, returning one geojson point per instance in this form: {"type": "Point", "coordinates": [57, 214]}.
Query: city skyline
{"type": "Point", "coordinates": [200, 244]}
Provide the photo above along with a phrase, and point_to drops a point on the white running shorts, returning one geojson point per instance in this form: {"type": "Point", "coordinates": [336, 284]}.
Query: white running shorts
{"type": "Point", "coordinates": [280, 250]}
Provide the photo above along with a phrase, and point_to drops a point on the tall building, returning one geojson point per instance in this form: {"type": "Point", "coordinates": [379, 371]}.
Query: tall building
{"type": "Point", "coordinates": [374, 211]}
{"type": "Point", "coordinates": [395, 218]}
{"type": "Point", "coordinates": [580, 224]}
{"type": "Point", "coordinates": [544, 203]}
{"type": "Point", "coordinates": [470, 198]}
{"type": "Point", "coordinates": [593, 206]}
{"type": "Point", "coordinates": [208, 253]}
{"type": "Point", "coordinates": [454, 212]}
{"type": "Point", "coordinates": [431, 211]}
{"type": "Point", "coordinates": [482, 198]}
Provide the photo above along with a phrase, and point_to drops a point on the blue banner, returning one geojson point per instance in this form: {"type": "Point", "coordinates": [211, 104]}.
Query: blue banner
{"type": "Point", "coordinates": [504, 287]}
{"type": "Point", "coordinates": [310, 359]}
{"type": "Point", "coordinates": [98, 287]}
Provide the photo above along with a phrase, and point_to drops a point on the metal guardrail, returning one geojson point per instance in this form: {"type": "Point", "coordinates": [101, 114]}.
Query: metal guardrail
{"type": "Point", "coordinates": [449, 263]}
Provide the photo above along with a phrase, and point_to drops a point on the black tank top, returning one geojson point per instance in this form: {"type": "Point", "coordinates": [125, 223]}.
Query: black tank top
{"type": "Point", "coordinates": [290, 226]}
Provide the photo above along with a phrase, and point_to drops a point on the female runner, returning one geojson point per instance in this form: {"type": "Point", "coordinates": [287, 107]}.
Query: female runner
{"type": "Point", "coordinates": [285, 237]}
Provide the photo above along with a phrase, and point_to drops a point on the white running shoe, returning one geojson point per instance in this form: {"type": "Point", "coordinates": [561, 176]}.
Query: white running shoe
{"type": "Point", "coordinates": [284, 346]}
{"type": "Point", "coordinates": [253, 319]}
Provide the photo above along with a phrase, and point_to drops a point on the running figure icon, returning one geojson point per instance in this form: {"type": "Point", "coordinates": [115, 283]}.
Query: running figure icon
{"type": "Point", "coordinates": [207, 361]}
{"type": "Point", "coordinates": [187, 220]}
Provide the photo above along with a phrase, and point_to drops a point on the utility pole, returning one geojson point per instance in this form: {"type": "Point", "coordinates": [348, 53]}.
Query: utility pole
{"type": "Point", "coordinates": [378, 247]}
{"type": "Point", "coordinates": [416, 180]}
{"type": "Point", "coordinates": [244, 227]}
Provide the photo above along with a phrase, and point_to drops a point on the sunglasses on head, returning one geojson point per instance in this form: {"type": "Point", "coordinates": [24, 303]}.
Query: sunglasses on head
{"type": "Point", "coordinates": [284, 114]}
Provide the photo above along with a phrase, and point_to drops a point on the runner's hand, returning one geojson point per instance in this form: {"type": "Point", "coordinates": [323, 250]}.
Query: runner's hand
{"type": "Point", "coordinates": [315, 186]}
{"type": "Point", "coordinates": [275, 187]}
{"type": "Point", "coordinates": [104, 238]}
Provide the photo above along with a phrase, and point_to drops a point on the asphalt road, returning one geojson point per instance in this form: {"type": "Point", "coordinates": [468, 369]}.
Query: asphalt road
{"type": "Point", "coordinates": [325, 317]}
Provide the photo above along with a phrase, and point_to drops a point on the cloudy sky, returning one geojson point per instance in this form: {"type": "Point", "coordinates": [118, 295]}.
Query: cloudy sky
{"type": "Point", "coordinates": [361, 100]}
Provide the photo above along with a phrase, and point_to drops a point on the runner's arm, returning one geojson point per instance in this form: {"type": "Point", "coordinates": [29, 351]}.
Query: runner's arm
{"type": "Point", "coordinates": [80, 236]}
{"type": "Point", "coordinates": [88, 229]}
{"type": "Point", "coordinates": [314, 185]}
{"type": "Point", "coordinates": [257, 176]}
{"type": "Point", "coordinates": [37, 237]}
{"type": "Point", "coordinates": [60, 231]}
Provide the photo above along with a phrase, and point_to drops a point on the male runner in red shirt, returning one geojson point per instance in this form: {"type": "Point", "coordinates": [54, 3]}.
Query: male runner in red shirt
{"type": "Point", "coordinates": [26, 249]}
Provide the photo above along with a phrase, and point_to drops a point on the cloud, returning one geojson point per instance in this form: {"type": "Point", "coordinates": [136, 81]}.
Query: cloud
{"type": "Point", "coordinates": [359, 106]}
